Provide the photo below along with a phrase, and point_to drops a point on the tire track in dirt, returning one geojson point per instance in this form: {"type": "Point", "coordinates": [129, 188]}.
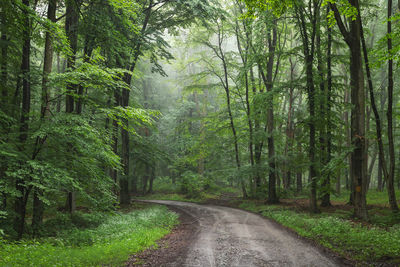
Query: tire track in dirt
{"type": "Point", "coordinates": [233, 237]}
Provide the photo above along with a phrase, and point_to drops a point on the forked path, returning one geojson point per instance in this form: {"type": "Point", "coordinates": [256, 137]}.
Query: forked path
{"type": "Point", "coordinates": [232, 237]}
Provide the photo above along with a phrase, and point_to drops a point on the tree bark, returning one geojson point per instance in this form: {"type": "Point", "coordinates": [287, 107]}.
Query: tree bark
{"type": "Point", "coordinates": [87, 52]}
{"type": "Point", "coordinates": [21, 200]}
{"type": "Point", "coordinates": [124, 179]}
{"type": "Point", "coordinates": [115, 131]}
{"type": "Point", "coordinates": [358, 156]}
{"type": "Point", "coordinates": [379, 187]}
{"type": "Point", "coordinates": [4, 64]}
{"type": "Point", "coordinates": [289, 128]}
{"type": "Point", "coordinates": [244, 57]}
{"type": "Point", "coordinates": [71, 29]}
{"type": "Point", "coordinates": [257, 143]}
{"type": "Point", "coordinates": [299, 182]}
{"type": "Point", "coordinates": [371, 168]}
{"type": "Point", "coordinates": [326, 197]}
{"type": "Point", "coordinates": [309, 51]}
{"type": "Point", "coordinates": [225, 83]}
{"type": "Point", "coordinates": [389, 114]}
{"type": "Point", "coordinates": [38, 206]}
{"type": "Point", "coordinates": [272, 196]}
{"type": "Point", "coordinates": [4, 94]}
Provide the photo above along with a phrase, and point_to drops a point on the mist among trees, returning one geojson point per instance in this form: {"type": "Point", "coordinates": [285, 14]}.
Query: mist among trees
{"type": "Point", "coordinates": [103, 102]}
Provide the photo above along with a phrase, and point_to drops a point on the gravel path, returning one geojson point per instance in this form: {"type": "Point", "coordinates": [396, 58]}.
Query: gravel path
{"type": "Point", "coordinates": [232, 237]}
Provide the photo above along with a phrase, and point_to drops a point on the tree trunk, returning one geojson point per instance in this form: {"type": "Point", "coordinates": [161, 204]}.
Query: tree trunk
{"type": "Point", "coordinates": [348, 140]}
{"type": "Point", "coordinates": [244, 57]}
{"type": "Point", "coordinates": [21, 200]}
{"type": "Point", "coordinates": [326, 197]}
{"type": "Point", "coordinates": [152, 177]}
{"type": "Point", "coordinates": [258, 143]}
{"type": "Point", "coordinates": [309, 51]}
{"type": "Point", "coordinates": [358, 156]}
{"type": "Point", "coordinates": [225, 84]}
{"type": "Point", "coordinates": [272, 196]}
{"type": "Point", "coordinates": [4, 96]}
{"type": "Point", "coordinates": [115, 131]}
{"type": "Point", "coordinates": [389, 114]}
{"type": "Point", "coordinates": [311, 107]}
{"type": "Point", "coordinates": [87, 52]}
{"type": "Point", "coordinates": [38, 206]}
{"type": "Point", "coordinates": [299, 182]}
{"type": "Point", "coordinates": [124, 179]}
{"type": "Point", "coordinates": [268, 82]}
{"type": "Point", "coordinates": [71, 29]}
{"type": "Point", "coordinates": [371, 168]}
{"type": "Point", "coordinates": [379, 187]}
{"type": "Point", "coordinates": [289, 128]}
{"type": "Point", "coordinates": [3, 64]}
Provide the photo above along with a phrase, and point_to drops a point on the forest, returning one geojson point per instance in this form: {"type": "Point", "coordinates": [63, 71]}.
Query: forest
{"type": "Point", "coordinates": [285, 108]}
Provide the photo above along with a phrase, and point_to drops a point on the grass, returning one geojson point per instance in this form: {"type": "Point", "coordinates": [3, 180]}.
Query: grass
{"type": "Point", "coordinates": [111, 243]}
{"type": "Point", "coordinates": [373, 197]}
{"type": "Point", "coordinates": [363, 243]}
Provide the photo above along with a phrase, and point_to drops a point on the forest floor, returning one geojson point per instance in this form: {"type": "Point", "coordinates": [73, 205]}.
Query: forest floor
{"type": "Point", "coordinates": [222, 236]}
{"type": "Point", "coordinates": [91, 238]}
{"type": "Point", "coordinates": [334, 230]}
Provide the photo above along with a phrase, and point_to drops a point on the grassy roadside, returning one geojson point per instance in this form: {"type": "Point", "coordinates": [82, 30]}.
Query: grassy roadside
{"type": "Point", "coordinates": [375, 242]}
{"type": "Point", "coordinates": [363, 243]}
{"type": "Point", "coordinates": [117, 236]}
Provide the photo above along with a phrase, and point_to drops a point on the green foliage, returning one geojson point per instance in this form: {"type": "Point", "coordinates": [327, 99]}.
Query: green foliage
{"type": "Point", "coordinates": [191, 184]}
{"type": "Point", "coordinates": [140, 117]}
{"type": "Point", "coordinates": [278, 7]}
{"type": "Point", "coordinates": [63, 224]}
{"type": "Point", "coordinates": [345, 8]}
{"type": "Point", "coordinates": [111, 243]}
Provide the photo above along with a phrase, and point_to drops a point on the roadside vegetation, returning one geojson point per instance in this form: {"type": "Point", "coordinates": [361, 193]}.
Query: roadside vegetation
{"type": "Point", "coordinates": [365, 243]}
{"type": "Point", "coordinates": [91, 239]}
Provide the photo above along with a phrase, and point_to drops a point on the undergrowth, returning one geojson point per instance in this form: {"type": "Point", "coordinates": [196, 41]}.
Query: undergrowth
{"type": "Point", "coordinates": [114, 239]}
{"type": "Point", "coordinates": [373, 197]}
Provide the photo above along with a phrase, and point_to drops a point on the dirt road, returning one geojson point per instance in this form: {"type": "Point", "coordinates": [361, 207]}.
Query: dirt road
{"type": "Point", "coordinates": [232, 237]}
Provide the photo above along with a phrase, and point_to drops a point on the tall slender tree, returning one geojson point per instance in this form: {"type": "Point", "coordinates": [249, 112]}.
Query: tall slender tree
{"type": "Point", "coordinates": [22, 189]}
{"type": "Point", "coordinates": [389, 114]}
{"type": "Point", "coordinates": [38, 207]}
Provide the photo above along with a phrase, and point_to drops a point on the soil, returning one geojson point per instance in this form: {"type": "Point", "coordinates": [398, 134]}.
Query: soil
{"type": "Point", "coordinates": [173, 248]}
